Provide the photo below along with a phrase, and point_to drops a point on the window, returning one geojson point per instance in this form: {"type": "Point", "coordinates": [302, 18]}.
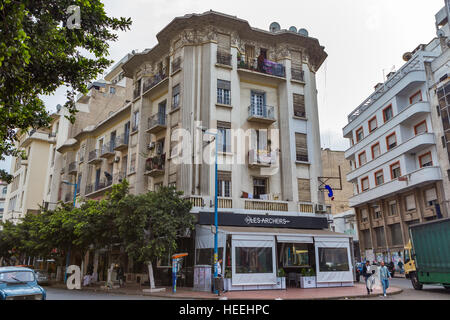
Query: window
{"type": "Point", "coordinates": [333, 259]}
{"type": "Point", "coordinates": [416, 97]}
{"type": "Point", "coordinates": [359, 134]}
{"type": "Point", "coordinates": [254, 260]}
{"type": "Point", "coordinates": [392, 208]}
{"type": "Point", "coordinates": [365, 184]}
{"type": "Point", "coordinates": [421, 127]}
{"type": "Point", "coordinates": [299, 105]}
{"type": "Point", "coordinates": [50, 184]}
{"type": "Point", "coordinates": [4, 191]}
{"type": "Point", "coordinates": [410, 202]}
{"type": "Point", "coordinates": [258, 104]}
{"type": "Point", "coordinates": [301, 147]}
{"type": "Point", "coordinates": [362, 158]}
{"type": "Point", "coordinates": [376, 213]}
{"type": "Point", "coordinates": [376, 150]}
{"type": "Point", "coordinates": [176, 96]}
{"type": "Point", "coordinates": [372, 124]}
{"type": "Point", "coordinates": [395, 170]}
{"type": "Point", "coordinates": [53, 155]}
{"type": "Point", "coordinates": [157, 186]}
{"type": "Point", "coordinates": [295, 254]}
{"type": "Point", "coordinates": [135, 120]}
{"type": "Point", "coordinates": [260, 188]}
{"type": "Point", "coordinates": [387, 113]}
{"type": "Point", "coordinates": [366, 239]}
{"type": "Point", "coordinates": [430, 196]}
{"type": "Point", "coordinates": [391, 141]}
{"type": "Point", "coordinates": [224, 184]}
{"type": "Point", "coordinates": [364, 217]}
{"type": "Point", "coordinates": [396, 234]}
{"type": "Point", "coordinates": [224, 138]}
{"type": "Point", "coordinates": [173, 180]}
{"type": "Point", "coordinates": [223, 92]}
{"type": "Point", "coordinates": [379, 178]}
{"type": "Point", "coordinates": [425, 160]}
{"type": "Point", "coordinates": [304, 190]}
{"type": "Point", "coordinates": [379, 236]}
{"type": "Point", "coordinates": [112, 90]}
{"type": "Point", "coordinates": [133, 163]}
{"type": "Point", "coordinates": [205, 256]}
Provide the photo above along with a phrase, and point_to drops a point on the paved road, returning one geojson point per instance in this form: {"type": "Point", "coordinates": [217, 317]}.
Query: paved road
{"type": "Point", "coordinates": [427, 293]}
{"type": "Point", "coordinates": [62, 294]}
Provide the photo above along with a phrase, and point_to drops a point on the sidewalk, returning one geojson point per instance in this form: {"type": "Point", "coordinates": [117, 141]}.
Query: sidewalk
{"type": "Point", "coordinates": [358, 291]}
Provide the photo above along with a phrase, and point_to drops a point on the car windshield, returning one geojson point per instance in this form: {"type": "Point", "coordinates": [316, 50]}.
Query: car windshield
{"type": "Point", "coordinates": [16, 276]}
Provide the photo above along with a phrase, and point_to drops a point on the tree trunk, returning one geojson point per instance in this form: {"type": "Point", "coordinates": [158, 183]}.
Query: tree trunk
{"type": "Point", "coordinates": [150, 276]}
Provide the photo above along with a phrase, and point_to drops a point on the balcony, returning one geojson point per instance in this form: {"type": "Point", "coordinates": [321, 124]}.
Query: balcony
{"type": "Point", "coordinates": [121, 142]}
{"type": "Point", "coordinates": [265, 205]}
{"type": "Point", "coordinates": [261, 114]}
{"type": "Point", "coordinates": [68, 197]}
{"type": "Point", "coordinates": [297, 74]}
{"type": "Point", "coordinates": [98, 186]}
{"type": "Point", "coordinates": [94, 157]}
{"type": "Point", "coordinates": [176, 65]}
{"type": "Point", "coordinates": [72, 168]}
{"type": "Point", "coordinates": [118, 178]}
{"type": "Point", "coordinates": [261, 158]}
{"type": "Point", "coordinates": [268, 67]}
{"type": "Point", "coordinates": [108, 149]}
{"type": "Point", "coordinates": [224, 203]}
{"type": "Point", "coordinates": [407, 116]}
{"type": "Point", "coordinates": [157, 123]}
{"type": "Point", "coordinates": [411, 180]}
{"type": "Point", "coordinates": [154, 166]}
{"type": "Point", "coordinates": [151, 82]}
{"type": "Point", "coordinates": [196, 201]}
{"type": "Point", "coordinates": [224, 58]}
{"type": "Point", "coordinates": [306, 207]}
{"type": "Point", "coordinates": [412, 145]}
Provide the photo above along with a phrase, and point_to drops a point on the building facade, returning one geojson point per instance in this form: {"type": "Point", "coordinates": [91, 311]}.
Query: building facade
{"type": "Point", "coordinates": [3, 192]}
{"type": "Point", "coordinates": [397, 171]}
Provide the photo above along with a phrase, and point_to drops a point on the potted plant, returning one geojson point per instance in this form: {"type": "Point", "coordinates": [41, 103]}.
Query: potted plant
{"type": "Point", "coordinates": [308, 278]}
{"type": "Point", "coordinates": [281, 274]}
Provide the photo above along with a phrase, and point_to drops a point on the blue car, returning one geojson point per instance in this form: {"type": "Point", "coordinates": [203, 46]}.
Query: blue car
{"type": "Point", "coordinates": [17, 283]}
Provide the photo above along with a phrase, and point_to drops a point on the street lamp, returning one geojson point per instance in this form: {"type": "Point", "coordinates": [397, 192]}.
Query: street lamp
{"type": "Point", "coordinates": [74, 201]}
{"type": "Point", "coordinates": [215, 205]}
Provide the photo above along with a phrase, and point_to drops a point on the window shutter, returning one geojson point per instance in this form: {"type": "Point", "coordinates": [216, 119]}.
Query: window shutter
{"type": "Point", "coordinates": [410, 202]}
{"type": "Point", "coordinates": [301, 147]}
{"type": "Point", "coordinates": [299, 105]}
{"type": "Point", "coordinates": [373, 124]}
{"type": "Point", "coordinates": [223, 42]}
{"type": "Point", "coordinates": [304, 190]}
{"type": "Point", "coordinates": [223, 84]}
{"type": "Point", "coordinates": [262, 139]}
{"type": "Point", "coordinates": [296, 58]}
{"type": "Point", "coordinates": [430, 195]}
{"type": "Point", "coordinates": [224, 175]}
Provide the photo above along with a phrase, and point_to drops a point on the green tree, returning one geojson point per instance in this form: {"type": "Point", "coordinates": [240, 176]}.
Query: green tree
{"type": "Point", "coordinates": [39, 52]}
{"type": "Point", "coordinates": [151, 223]}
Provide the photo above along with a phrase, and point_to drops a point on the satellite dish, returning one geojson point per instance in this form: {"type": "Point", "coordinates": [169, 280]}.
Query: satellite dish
{"type": "Point", "coordinates": [440, 33]}
{"type": "Point", "coordinates": [303, 32]}
{"type": "Point", "coordinates": [407, 56]}
{"type": "Point", "coordinates": [58, 107]}
{"type": "Point", "coordinates": [274, 27]}
{"type": "Point", "coordinates": [293, 29]}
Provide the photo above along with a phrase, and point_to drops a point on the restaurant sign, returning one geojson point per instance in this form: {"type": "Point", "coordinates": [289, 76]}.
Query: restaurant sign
{"type": "Point", "coordinates": [252, 220]}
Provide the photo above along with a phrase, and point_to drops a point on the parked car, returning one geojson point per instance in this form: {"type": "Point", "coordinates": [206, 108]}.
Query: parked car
{"type": "Point", "coordinates": [42, 277]}
{"type": "Point", "coordinates": [18, 283]}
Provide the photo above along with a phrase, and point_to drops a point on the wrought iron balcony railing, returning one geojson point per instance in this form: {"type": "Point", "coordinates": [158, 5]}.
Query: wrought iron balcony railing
{"type": "Point", "coordinates": [93, 155]}
{"type": "Point", "coordinates": [224, 58]}
{"type": "Point", "coordinates": [267, 67]}
{"type": "Point", "coordinates": [297, 74]}
{"type": "Point", "coordinates": [265, 112]}
{"type": "Point", "coordinates": [158, 119]}
{"type": "Point", "coordinates": [150, 82]}
{"type": "Point", "coordinates": [176, 65]}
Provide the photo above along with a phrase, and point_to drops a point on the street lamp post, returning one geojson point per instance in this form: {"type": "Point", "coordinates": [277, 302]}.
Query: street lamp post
{"type": "Point", "coordinates": [74, 202]}
{"type": "Point", "coordinates": [216, 233]}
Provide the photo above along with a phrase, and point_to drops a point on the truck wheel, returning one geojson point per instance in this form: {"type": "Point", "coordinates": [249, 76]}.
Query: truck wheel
{"type": "Point", "coordinates": [415, 282]}
{"type": "Point", "coordinates": [447, 286]}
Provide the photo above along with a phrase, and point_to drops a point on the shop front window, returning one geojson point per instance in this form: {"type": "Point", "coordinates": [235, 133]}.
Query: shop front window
{"type": "Point", "coordinates": [254, 260]}
{"type": "Point", "coordinates": [295, 255]}
{"type": "Point", "coordinates": [205, 256]}
{"type": "Point", "coordinates": [333, 259]}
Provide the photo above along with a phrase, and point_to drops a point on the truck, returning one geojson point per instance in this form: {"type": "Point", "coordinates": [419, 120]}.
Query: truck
{"type": "Point", "coordinates": [427, 254]}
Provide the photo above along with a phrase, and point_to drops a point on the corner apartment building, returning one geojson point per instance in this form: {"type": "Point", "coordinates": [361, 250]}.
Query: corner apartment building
{"type": "Point", "coordinates": [3, 192]}
{"type": "Point", "coordinates": [396, 171]}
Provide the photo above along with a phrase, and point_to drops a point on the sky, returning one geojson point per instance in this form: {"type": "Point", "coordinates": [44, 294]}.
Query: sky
{"type": "Point", "coordinates": [361, 37]}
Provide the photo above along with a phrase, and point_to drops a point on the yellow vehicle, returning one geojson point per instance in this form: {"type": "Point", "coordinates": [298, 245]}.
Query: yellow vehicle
{"type": "Point", "coordinates": [410, 266]}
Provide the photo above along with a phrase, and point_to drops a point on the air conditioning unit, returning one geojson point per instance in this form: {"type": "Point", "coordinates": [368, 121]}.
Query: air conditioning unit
{"type": "Point", "coordinates": [116, 159]}
{"type": "Point", "coordinates": [151, 145]}
{"type": "Point", "coordinates": [321, 208]}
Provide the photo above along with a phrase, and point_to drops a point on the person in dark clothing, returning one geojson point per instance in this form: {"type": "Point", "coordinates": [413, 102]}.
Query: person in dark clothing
{"type": "Point", "coordinates": [261, 63]}
{"type": "Point", "coordinates": [120, 275]}
{"type": "Point", "coordinates": [366, 273]}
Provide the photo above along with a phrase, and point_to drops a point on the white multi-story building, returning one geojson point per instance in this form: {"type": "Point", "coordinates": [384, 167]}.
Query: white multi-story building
{"type": "Point", "coordinates": [394, 154]}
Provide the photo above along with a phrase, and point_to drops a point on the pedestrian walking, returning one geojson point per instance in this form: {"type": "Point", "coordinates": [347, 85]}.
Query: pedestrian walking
{"type": "Point", "coordinates": [367, 273]}
{"type": "Point", "coordinates": [120, 275]}
{"type": "Point", "coordinates": [384, 277]}
{"type": "Point", "coordinates": [400, 266]}
{"type": "Point", "coordinates": [219, 280]}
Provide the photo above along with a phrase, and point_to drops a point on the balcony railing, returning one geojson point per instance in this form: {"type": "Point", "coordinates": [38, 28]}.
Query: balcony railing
{"type": "Point", "coordinates": [267, 67]}
{"type": "Point", "coordinates": [265, 114]}
{"type": "Point", "coordinates": [150, 82]}
{"type": "Point", "coordinates": [261, 157]}
{"type": "Point", "coordinates": [266, 205]}
{"type": "Point", "coordinates": [196, 201]}
{"type": "Point", "coordinates": [89, 188]}
{"type": "Point", "coordinates": [73, 168]}
{"type": "Point", "coordinates": [108, 149]}
{"type": "Point", "coordinates": [156, 122]}
{"type": "Point", "coordinates": [176, 65]}
{"type": "Point", "coordinates": [225, 203]}
{"type": "Point", "coordinates": [121, 142]}
{"type": "Point", "coordinates": [155, 165]}
{"type": "Point", "coordinates": [94, 155]}
{"type": "Point", "coordinates": [297, 74]}
{"type": "Point", "coordinates": [118, 178]}
{"type": "Point", "coordinates": [224, 58]}
{"type": "Point", "coordinates": [68, 197]}
{"type": "Point", "coordinates": [306, 207]}
{"type": "Point", "coordinates": [98, 185]}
